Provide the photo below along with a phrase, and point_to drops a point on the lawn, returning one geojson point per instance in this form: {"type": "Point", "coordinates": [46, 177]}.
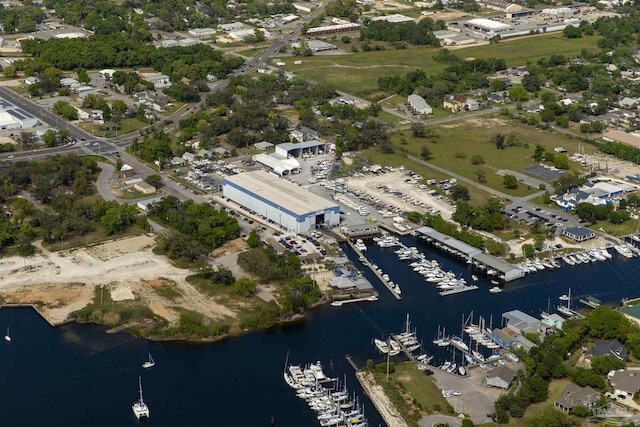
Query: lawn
{"type": "Point", "coordinates": [556, 389]}
{"type": "Point", "coordinates": [447, 152]}
{"type": "Point", "coordinates": [419, 389]}
{"type": "Point", "coordinates": [624, 229]}
{"type": "Point", "coordinates": [338, 70]}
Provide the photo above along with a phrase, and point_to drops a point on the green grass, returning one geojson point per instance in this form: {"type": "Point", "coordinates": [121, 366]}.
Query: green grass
{"type": "Point", "coordinates": [342, 71]}
{"type": "Point", "coordinates": [167, 290]}
{"type": "Point", "coordinates": [250, 52]}
{"type": "Point", "coordinates": [627, 227]}
{"type": "Point", "coordinates": [556, 389]}
{"type": "Point", "coordinates": [477, 141]}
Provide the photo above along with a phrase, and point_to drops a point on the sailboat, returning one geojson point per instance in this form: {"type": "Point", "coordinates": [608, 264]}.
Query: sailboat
{"type": "Point", "coordinates": [149, 363]}
{"type": "Point", "coordinates": [7, 337]}
{"type": "Point", "coordinates": [140, 409]}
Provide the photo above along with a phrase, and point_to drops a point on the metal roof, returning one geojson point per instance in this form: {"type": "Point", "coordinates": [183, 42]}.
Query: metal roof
{"type": "Point", "coordinates": [469, 250]}
{"type": "Point", "coordinates": [280, 192]}
{"type": "Point", "coordinates": [301, 145]}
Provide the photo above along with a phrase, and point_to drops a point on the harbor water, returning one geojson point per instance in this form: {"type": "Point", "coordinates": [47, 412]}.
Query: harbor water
{"type": "Point", "coordinates": [79, 375]}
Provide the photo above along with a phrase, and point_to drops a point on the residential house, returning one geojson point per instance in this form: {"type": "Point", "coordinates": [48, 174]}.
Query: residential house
{"type": "Point", "coordinates": [31, 81]}
{"type": "Point", "coordinates": [296, 136]}
{"type": "Point", "coordinates": [455, 105]}
{"type": "Point", "coordinates": [189, 157]}
{"type": "Point", "coordinates": [97, 116]}
{"type": "Point", "coordinates": [308, 133]}
{"type": "Point", "coordinates": [495, 98]}
{"type": "Point", "coordinates": [627, 102]}
{"type": "Point", "coordinates": [82, 113]}
{"type": "Point", "coordinates": [418, 105]}
{"type": "Point", "coordinates": [471, 104]}
{"type": "Point", "coordinates": [578, 234]}
{"type": "Point", "coordinates": [577, 396]}
{"type": "Point", "coordinates": [625, 382]}
{"type": "Point", "coordinates": [613, 348]}
{"type": "Point", "coordinates": [500, 377]}
{"type": "Point", "coordinates": [68, 82]}
{"type": "Point", "coordinates": [221, 152]}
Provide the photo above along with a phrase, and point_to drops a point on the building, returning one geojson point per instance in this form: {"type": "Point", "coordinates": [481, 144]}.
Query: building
{"type": "Point", "coordinates": [554, 320]}
{"type": "Point", "coordinates": [331, 29]}
{"type": "Point", "coordinates": [304, 7]}
{"type": "Point", "coordinates": [127, 171]}
{"type": "Point", "coordinates": [626, 382]}
{"type": "Point", "coordinates": [522, 323]}
{"type": "Point", "coordinates": [316, 46]}
{"type": "Point", "coordinates": [240, 35]}
{"type": "Point", "coordinates": [396, 18]}
{"type": "Point", "coordinates": [577, 396]}
{"type": "Point", "coordinates": [144, 188]}
{"type": "Point", "coordinates": [471, 104]}
{"type": "Point", "coordinates": [418, 105]}
{"type": "Point", "coordinates": [277, 163]}
{"type": "Point", "coordinates": [159, 81]}
{"type": "Point", "coordinates": [612, 348]}
{"type": "Point", "coordinates": [455, 105]}
{"type": "Point", "coordinates": [202, 32]}
{"type": "Point", "coordinates": [500, 377]}
{"type": "Point", "coordinates": [578, 234]}
{"type": "Point", "coordinates": [486, 27]}
{"type": "Point", "coordinates": [262, 146]}
{"type": "Point", "coordinates": [145, 204]}
{"type": "Point", "coordinates": [280, 201]}
{"type": "Point", "coordinates": [301, 149]}
{"type": "Point", "coordinates": [232, 26]}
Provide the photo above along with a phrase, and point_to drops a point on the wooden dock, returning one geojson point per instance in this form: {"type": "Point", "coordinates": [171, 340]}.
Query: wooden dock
{"type": "Point", "coordinates": [376, 272]}
{"type": "Point", "coordinates": [380, 400]}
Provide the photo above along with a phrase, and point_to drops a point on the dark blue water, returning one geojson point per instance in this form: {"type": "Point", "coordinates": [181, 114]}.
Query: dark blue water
{"type": "Point", "coordinates": [78, 375]}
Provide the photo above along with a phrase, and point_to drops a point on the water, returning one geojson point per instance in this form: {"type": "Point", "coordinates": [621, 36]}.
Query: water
{"type": "Point", "coordinates": [78, 375]}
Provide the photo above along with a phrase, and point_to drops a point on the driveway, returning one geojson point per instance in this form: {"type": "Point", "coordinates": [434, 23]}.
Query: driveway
{"type": "Point", "coordinates": [440, 419]}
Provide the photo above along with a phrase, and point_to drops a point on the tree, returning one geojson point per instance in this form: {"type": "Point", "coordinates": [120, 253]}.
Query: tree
{"type": "Point", "coordinates": [155, 180]}
{"type": "Point", "coordinates": [460, 192]}
{"type": "Point", "coordinates": [561, 161]}
{"type": "Point", "coordinates": [244, 287]}
{"type": "Point", "coordinates": [477, 159]}
{"type": "Point", "coordinates": [498, 85]}
{"type": "Point", "coordinates": [481, 176]}
{"type": "Point", "coordinates": [499, 140]}
{"type": "Point", "coordinates": [425, 154]}
{"type": "Point", "coordinates": [510, 181]}
{"type": "Point", "coordinates": [539, 151]}
{"type": "Point", "coordinates": [518, 93]}
{"type": "Point", "coordinates": [254, 239]}
{"type": "Point", "coordinates": [528, 250]}
{"type": "Point", "coordinates": [10, 72]}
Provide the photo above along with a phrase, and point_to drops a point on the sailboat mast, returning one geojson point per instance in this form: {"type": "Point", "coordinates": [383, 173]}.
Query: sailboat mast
{"type": "Point", "coordinates": [140, 384]}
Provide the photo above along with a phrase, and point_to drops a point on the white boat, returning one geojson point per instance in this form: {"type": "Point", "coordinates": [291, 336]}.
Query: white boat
{"type": "Point", "coordinates": [360, 245]}
{"type": "Point", "coordinates": [441, 340]}
{"type": "Point", "coordinates": [478, 356]}
{"type": "Point", "coordinates": [462, 370]}
{"type": "Point", "coordinates": [149, 363]}
{"type": "Point", "coordinates": [382, 346]}
{"type": "Point", "coordinates": [495, 290]}
{"type": "Point", "coordinates": [474, 277]}
{"type": "Point", "coordinates": [7, 337]}
{"type": "Point", "coordinates": [624, 251]}
{"type": "Point", "coordinates": [459, 344]}
{"type": "Point", "coordinates": [568, 260]}
{"type": "Point", "coordinates": [564, 297]}
{"type": "Point", "coordinates": [140, 409]}
{"type": "Point", "coordinates": [635, 237]}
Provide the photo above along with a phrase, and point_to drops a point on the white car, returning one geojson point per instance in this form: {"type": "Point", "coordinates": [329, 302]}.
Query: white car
{"type": "Point", "coordinates": [11, 156]}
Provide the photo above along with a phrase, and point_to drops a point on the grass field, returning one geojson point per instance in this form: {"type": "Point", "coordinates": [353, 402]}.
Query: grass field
{"type": "Point", "coordinates": [338, 70]}
{"type": "Point", "coordinates": [472, 137]}
{"type": "Point", "coordinates": [624, 229]}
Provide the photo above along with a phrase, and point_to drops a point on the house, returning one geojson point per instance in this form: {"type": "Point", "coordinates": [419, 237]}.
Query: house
{"type": "Point", "coordinates": [177, 161]}
{"type": "Point", "coordinates": [578, 234]}
{"type": "Point", "coordinates": [627, 102]}
{"type": "Point", "coordinates": [31, 81]}
{"type": "Point", "coordinates": [418, 105]}
{"type": "Point", "coordinates": [144, 188]}
{"type": "Point", "coordinates": [577, 396]}
{"type": "Point", "coordinates": [612, 348]}
{"type": "Point", "coordinates": [496, 98]}
{"type": "Point", "coordinates": [296, 136]}
{"type": "Point", "coordinates": [82, 113]}
{"type": "Point", "coordinates": [127, 171]}
{"type": "Point", "coordinates": [68, 82]}
{"type": "Point", "coordinates": [554, 320]}
{"type": "Point", "coordinates": [231, 26]}
{"type": "Point", "coordinates": [625, 381]}
{"type": "Point", "coordinates": [308, 133]}
{"type": "Point", "coordinates": [500, 377]}
{"type": "Point", "coordinates": [221, 152]}
{"type": "Point", "coordinates": [202, 32]}
{"type": "Point", "coordinates": [471, 104]}
{"type": "Point", "coordinates": [455, 105]}
{"type": "Point", "coordinates": [189, 157]}
{"type": "Point", "coordinates": [262, 146]}
{"type": "Point", "coordinates": [97, 116]}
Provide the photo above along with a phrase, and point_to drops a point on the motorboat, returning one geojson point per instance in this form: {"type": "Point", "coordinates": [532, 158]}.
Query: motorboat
{"type": "Point", "coordinates": [564, 297]}
{"type": "Point", "coordinates": [495, 290]}
{"type": "Point", "coordinates": [382, 346]}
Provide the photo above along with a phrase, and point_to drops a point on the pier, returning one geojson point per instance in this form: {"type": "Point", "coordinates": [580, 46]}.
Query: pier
{"type": "Point", "coordinates": [376, 393]}
{"type": "Point", "coordinates": [376, 272]}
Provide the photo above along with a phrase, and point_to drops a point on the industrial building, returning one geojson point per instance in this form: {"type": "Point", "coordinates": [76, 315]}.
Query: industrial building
{"type": "Point", "coordinates": [300, 149]}
{"type": "Point", "coordinates": [280, 201]}
{"type": "Point", "coordinates": [331, 29]}
{"type": "Point", "coordinates": [12, 117]}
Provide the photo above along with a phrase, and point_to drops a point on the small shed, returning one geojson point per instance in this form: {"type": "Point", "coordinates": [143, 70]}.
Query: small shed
{"type": "Point", "coordinates": [127, 171]}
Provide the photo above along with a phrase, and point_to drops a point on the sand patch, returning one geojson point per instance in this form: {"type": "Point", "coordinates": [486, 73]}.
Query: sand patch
{"type": "Point", "coordinates": [492, 122]}
{"type": "Point", "coordinates": [122, 293]}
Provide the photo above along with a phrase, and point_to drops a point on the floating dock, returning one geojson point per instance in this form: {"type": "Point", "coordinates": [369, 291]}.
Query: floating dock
{"type": "Point", "coordinates": [366, 262]}
{"type": "Point", "coordinates": [338, 303]}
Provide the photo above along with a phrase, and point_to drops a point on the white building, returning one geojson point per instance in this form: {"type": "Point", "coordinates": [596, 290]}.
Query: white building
{"type": "Point", "coordinates": [232, 26]}
{"type": "Point", "coordinates": [202, 32]}
{"type": "Point", "coordinates": [418, 105]}
{"type": "Point", "coordinates": [394, 19]}
{"type": "Point", "coordinates": [240, 35]}
{"type": "Point", "coordinates": [280, 201]}
{"type": "Point", "coordinates": [159, 81]}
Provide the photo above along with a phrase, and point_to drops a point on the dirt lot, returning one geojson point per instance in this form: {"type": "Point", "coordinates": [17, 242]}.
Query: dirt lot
{"type": "Point", "coordinates": [397, 180]}
{"type": "Point", "coordinates": [610, 166]}
{"type": "Point", "coordinates": [63, 282]}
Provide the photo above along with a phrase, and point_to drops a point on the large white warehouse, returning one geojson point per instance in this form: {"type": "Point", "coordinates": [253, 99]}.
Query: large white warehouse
{"type": "Point", "coordinates": [280, 201]}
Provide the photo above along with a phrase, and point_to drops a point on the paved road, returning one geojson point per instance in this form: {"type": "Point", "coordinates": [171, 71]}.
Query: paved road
{"type": "Point", "coordinates": [104, 187]}
{"type": "Point", "coordinates": [432, 420]}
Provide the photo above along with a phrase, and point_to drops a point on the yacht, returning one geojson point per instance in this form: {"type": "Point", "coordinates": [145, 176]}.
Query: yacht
{"type": "Point", "coordinates": [495, 290]}
{"type": "Point", "coordinates": [478, 356]}
{"type": "Point", "coordinates": [360, 245]}
{"type": "Point", "coordinates": [568, 260]}
{"type": "Point", "coordinates": [624, 251]}
{"type": "Point", "coordinates": [382, 346]}
{"type": "Point", "coordinates": [140, 409]}
{"type": "Point", "coordinates": [459, 344]}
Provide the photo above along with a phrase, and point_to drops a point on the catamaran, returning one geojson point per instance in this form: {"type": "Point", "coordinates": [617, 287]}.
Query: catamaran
{"type": "Point", "coordinates": [140, 409]}
{"type": "Point", "coordinates": [149, 363]}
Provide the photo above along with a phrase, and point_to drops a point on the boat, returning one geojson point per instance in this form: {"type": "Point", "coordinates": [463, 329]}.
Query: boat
{"type": "Point", "coordinates": [149, 363]}
{"type": "Point", "coordinates": [462, 370]}
{"type": "Point", "coordinates": [478, 356]}
{"type": "Point", "coordinates": [140, 409]}
{"type": "Point", "coordinates": [441, 340]}
{"type": "Point", "coordinates": [568, 260]}
{"type": "Point", "coordinates": [382, 346]}
{"type": "Point", "coordinates": [459, 344]}
{"type": "Point", "coordinates": [7, 337]}
{"type": "Point", "coordinates": [474, 277]}
{"type": "Point", "coordinates": [360, 245]}
{"type": "Point", "coordinates": [495, 290]}
{"type": "Point", "coordinates": [564, 297]}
